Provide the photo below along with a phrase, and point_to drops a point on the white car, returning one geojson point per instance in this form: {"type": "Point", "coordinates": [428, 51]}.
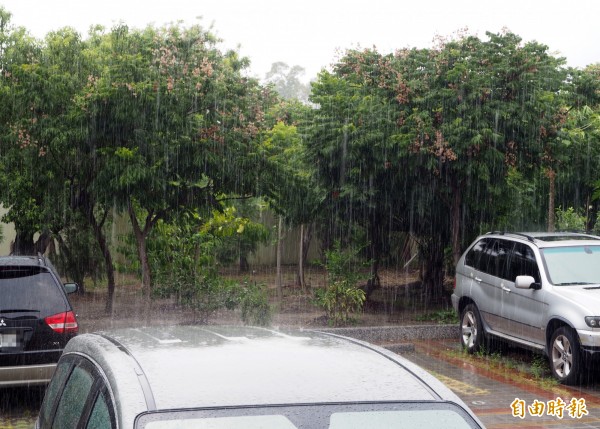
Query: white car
{"type": "Point", "coordinates": [238, 377]}
{"type": "Point", "coordinates": [537, 290]}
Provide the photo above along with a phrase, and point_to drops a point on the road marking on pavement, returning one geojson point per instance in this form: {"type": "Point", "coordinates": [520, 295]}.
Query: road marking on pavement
{"type": "Point", "coordinates": [459, 386]}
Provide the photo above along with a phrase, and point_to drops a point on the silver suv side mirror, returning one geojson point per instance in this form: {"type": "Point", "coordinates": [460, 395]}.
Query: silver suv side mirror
{"type": "Point", "coordinates": [527, 282]}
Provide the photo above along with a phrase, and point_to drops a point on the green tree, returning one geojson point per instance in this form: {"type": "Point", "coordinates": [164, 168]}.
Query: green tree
{"type": "Point", "coordinates": [174, 121]}
{"type": "Point", "coordinates": [290, 183]}
{"type": "Point", "coordinates": [579, 139]}
{"type": "Point", "coordinates": [359, 162]}
{"type": "Point", "coordinates": [32, 194]}
{"type": "Point", "coordinates": [422, 141]}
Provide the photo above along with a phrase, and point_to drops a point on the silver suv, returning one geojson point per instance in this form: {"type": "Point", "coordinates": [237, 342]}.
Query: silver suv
{"type": "Point", "coordinates": [537, 290]}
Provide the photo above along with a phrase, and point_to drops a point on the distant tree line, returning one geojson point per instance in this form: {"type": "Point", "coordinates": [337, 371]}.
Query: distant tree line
{"type": "Point", "coordinates": [428, 146]}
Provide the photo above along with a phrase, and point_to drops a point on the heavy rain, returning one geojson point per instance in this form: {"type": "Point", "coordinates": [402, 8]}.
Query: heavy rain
{"type": "Point", "coordinates": [172, 179]}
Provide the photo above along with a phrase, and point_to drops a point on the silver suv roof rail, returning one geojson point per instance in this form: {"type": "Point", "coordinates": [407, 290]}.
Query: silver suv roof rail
{"type": "Point", "coordinates": [528, 237]}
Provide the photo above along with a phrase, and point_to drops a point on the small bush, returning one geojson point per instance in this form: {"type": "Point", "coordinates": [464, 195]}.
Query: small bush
{"type": "Point", "coordinates": [342, 296]}
{"type": "Point", "coordinates": [569, 220]}
{"type": "Point", "coordinates": [440, 317]}
{"type": "Point", "coordinates": [254, 303]}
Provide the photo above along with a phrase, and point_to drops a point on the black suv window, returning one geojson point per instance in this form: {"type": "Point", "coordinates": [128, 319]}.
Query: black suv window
{"type": "Point", "coordinates": [30, 288]}
{"type": "Point", "coordinates": [523, 263]}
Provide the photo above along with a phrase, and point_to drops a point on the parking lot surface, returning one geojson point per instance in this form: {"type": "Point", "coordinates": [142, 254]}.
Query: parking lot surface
{"type": "Point", "coordinates": [502, 400]}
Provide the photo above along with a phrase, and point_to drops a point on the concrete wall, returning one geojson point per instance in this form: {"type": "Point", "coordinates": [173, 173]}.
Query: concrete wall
{"type": "Point", "coordinates": [8, 234]}
{"type": "Point", "coordinates": [266, 255]}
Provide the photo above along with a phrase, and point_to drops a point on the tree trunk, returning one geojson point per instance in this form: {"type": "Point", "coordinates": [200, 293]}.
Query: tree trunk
{"type": "Point", "coordinates": [551, 174]}
{"type": "Point", "coordinates": [279, 256]}
{"type": "Point", "coordinates": [23, 244]}
{"type": "Point", "coordinates": [85, 204]}
{"type": "Point", "coordinates": [433, 271]}
{"type": "Point", "coordinates": [77, 274]}
{"type": "Point", "coordinates": [244, 266]}
{"type": "Point", "coordinates": [42, 243]}
{"type": "Point", "coordinates": [140, 240]}
{"type": "Point", "coordinates": [375, 251]}
{"type": "Point", "coordinates": [455, 222]}
{"type": "Point", "coordinates": [110, 269]}
{"type": "Point", "coordinates": [300, 278]}
{"type": "Point", "coordinates": [305, 238]}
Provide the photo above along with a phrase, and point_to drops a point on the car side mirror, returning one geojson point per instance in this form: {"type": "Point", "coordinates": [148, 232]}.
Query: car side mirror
{"type": "Point", "coordinates": [71, 287]}
{"type": "Point", "coordinates": [527, 282]}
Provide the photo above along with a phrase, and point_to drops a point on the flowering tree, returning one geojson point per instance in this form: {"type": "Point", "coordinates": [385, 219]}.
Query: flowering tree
{"type": "Point", "coordinates": [175, 123]}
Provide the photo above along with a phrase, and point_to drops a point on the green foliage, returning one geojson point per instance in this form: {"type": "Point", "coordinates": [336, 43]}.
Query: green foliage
{"type": "Point", "coordinates": [249, 234]}
{"type": "Point", "coordinates": [438, 144]}
{"type": "Point", "coordinates": [570, 220]}
{"type": "Point", "coordinates": [342, 296]}
{"type": "Point", "coordinates": [79, 256]}
{"type": "Point", "coordinates": [254, 303]}
{"type": "Point", "coordinates": [440, 317]}
{"type": "Point", "coordinates": [182, 258]}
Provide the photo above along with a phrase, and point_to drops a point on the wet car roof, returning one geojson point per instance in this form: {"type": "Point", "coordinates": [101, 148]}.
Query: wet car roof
{"type": "Point", "coordinates": [33, 261]}
{"type": "Point", "coordinates": [225, 366]}
{"type": "Point", "coordinates": [550, 239]}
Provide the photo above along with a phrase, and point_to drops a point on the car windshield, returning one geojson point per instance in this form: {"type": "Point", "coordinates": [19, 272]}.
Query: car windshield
{"type": "Point", "coordinates": [372, 415]}
{"type": "Point", "coordinates": [573, 265]}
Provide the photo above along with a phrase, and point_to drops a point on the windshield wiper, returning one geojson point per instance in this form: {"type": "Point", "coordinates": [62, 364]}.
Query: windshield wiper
{"type": "Point", "coordinates": [574, 284]}
{"type": "Point", "coordinates": [19, 310]}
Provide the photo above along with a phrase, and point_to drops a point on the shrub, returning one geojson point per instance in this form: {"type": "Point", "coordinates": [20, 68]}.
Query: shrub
{"type": "Point", "coordinates": [569, 220]}
{"type": "Point", "coordinates": [254, 303]}
{"type": "Point", "coordinates": [341, 297]}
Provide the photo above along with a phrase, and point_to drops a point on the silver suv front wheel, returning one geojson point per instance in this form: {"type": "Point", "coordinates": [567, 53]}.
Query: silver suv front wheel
{"type": "Point", "coordinates": [564, 354]}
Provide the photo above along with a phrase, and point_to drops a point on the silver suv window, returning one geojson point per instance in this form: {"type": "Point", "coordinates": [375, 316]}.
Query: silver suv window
{"type": "Point", "coordinates": [503, 258]}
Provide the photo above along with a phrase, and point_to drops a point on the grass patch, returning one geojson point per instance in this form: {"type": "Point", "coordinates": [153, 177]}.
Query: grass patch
{"type": "Point", "coordinates": [528, 369]}
{"type": "Point", "coordinates": [441, 317]}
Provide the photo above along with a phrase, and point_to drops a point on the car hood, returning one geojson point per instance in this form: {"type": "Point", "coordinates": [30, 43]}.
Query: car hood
{"type": "Point", "coordinates": [587, 296]}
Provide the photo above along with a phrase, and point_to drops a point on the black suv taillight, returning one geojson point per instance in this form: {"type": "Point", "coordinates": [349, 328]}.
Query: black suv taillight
{"type": "Point", "coordinates": [63, 322]}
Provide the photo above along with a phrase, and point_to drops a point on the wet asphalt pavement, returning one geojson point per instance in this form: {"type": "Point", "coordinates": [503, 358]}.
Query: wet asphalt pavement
{"type": "Point", "coordinates": [501, 399]}
{"type": "Point", "coordinates": [19, 407]}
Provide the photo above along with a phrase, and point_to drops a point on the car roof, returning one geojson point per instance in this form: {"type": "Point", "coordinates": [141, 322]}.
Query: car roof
{"type": "Point", "coordinates": [194, 366]}
{"type": "Point", "coordinates": [28, 261]}
{"type": "Point", "coordinates": [551, 239]}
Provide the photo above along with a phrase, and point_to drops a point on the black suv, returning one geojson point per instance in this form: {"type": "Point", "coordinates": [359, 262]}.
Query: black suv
{"type": "Point", "coordinates": [36, 319]}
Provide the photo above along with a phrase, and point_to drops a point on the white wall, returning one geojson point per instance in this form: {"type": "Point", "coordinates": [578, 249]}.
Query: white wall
{"type": "Point", "coordinates": [8, 234]}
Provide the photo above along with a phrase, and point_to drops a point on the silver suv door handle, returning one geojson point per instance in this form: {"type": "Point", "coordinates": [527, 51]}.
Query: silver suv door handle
{"type": "Point", "coordinates": [477, 279]}
{"type": "Point", "coordinates": [505, 289]}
